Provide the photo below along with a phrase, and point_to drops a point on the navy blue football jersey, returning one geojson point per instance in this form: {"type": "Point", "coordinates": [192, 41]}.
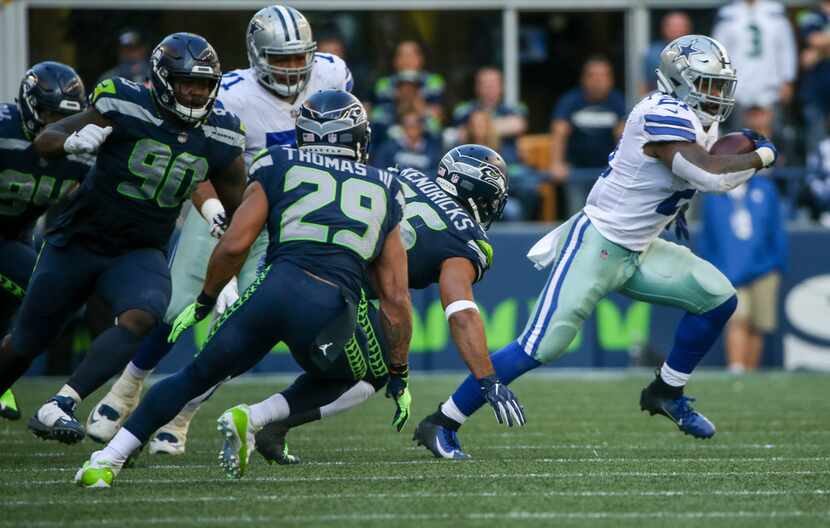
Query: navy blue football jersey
{"type": "Point", "coordinates": [29, 184]}
{"type": "Point", "coordinates": [436, 228]}
{"type": "Point", "coordinates": [144, 171]}
{"type": "Point", "coordinates": [329, 215]}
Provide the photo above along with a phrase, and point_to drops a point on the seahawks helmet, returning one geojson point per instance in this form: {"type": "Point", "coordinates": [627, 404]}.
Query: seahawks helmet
{"type": "Point", "coordinates": [280, 30]}
{"type": "Point", "coordinates": [333, 122]}
{"type": "Point", "coordinates": [696, 69]}
{"type": "Point", "coordinates": [477, 177]}
{"type": "Point", "coordinates": [49, 86]}
{"type": "Point", "coordinates": [184, 56]}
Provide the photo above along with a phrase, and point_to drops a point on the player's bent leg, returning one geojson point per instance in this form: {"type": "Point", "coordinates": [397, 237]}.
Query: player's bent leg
{"type": "Point", "coordinates": [62, 279]}
{"type": "Point", "coordinates": [672, 275]}
{"type": "Point", "coordinates": [586, 268]}
{"type": "Point", "coordinates": [171, 439]}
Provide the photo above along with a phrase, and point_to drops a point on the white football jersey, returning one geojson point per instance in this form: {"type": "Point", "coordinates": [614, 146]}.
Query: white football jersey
{"type": "Point", "coordinates": [268, 119]}
{"type": "Point", "coordinates": [761, 46]}
{"type": "Point", "coordinates": [636, 196]}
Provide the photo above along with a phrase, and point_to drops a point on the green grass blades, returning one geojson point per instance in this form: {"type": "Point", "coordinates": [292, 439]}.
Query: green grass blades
{"type": "Point", "coordinates": [588, 458]}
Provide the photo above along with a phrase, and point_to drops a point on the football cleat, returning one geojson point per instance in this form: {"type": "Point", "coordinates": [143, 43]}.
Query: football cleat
{"type": "Point", "coordinates": [8, 406]}
{"type": "Point", "coordinates": [97, 472]}
{"type": "Point", "coordinates": [271, 444]}
{"type": "Point", "coordinates": [111, 412]}
{"type": "Point", "coordinates": [171, 439]}
{"type": "Point", "coordinates": [55, 420]}
{"type": "Point", "coordinates": [239, 442]}
{"type": "Point", "coordinates": [440, 440]}
{"type": "Point", "coordinates": [678, 409]}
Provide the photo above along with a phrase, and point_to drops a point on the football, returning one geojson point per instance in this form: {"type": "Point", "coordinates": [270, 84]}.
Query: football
{"type": "Point", "coordinates": [734, 143]}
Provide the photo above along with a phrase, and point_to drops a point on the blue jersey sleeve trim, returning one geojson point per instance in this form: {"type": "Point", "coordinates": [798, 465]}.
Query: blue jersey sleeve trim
{"type": "Point", "coordinates": [668, 120]}
{"type": "Point", "coordinates": [668, 131]}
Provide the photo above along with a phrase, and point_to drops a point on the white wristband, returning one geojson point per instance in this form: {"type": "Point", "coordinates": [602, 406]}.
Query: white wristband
{"type": "Point", "coordinates": [457, 306]}
{"type": "Point", "coordinates": [766, 154]}
{"type": "Point", "coordinates": [210, 208]}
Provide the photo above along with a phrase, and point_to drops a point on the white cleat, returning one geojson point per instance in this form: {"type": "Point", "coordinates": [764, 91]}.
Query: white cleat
{"type": "Point", "coordinates": [238, 434]}
{"type": "Point", "coordinates": [172, 438]}
{"type": "Point", "coordinates": [110, 414]}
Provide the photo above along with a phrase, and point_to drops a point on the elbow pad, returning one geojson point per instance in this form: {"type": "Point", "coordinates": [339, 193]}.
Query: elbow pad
{"type": "Point", "coordinates": [705, 181]}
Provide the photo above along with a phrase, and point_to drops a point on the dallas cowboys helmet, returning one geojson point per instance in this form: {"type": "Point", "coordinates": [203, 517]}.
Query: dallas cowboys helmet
{"type": "Point", "coordinates": [280, 30]}
{"type": "Point", "coordinates": [184, 56]}
{"type": "Point", "coordinates": [477, 177]}
{"type": "Point", "coordinates": [51, 86]}
{"type": "Point", "coordinates": [333, 122]}
{"type": "Point", "coordinates": [696, 69]}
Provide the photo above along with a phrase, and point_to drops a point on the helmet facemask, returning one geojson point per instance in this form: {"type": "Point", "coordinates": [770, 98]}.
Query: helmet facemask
{"type": "Point", "coordinates": [711, 96]}
{"type": "Point", "coordinates": [285, 82]}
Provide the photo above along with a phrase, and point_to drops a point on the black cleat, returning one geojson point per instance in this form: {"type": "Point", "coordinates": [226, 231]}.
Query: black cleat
{"type": "Point", "coordinates": [271, 444]}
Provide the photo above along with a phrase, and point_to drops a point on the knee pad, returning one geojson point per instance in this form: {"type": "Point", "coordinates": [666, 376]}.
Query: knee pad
{"type": "Point", "coordinates": [554, 344]}
{"type": "Point", "coordinates": [137, 322]}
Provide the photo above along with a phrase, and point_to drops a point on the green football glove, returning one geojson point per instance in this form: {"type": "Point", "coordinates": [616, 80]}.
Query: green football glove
{"type": "Point", "coordinates": [191, 315]}
{"type": "Point", "coordinates": [398, 389]}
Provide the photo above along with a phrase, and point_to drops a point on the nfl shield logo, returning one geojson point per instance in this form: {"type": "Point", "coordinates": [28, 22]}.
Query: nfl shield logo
{"type": "Point", "coordinates": [332, 138]}
{"type": "Point", "coordinates": [603, 255]}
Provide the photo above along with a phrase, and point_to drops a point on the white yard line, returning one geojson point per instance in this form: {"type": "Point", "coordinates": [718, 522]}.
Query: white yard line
{"type": "Point", "coordinates": [408, 477]}
{"type": "Point", "coordinates": [415, 495]}
{"type": "Point", "coordinates": [362, 517]}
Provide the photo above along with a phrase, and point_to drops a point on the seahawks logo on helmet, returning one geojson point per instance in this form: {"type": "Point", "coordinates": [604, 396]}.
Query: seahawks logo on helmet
{"type": "Point", "coordinates": [333, 122]}
{"type": "Point", "coordinates": [477, 177]}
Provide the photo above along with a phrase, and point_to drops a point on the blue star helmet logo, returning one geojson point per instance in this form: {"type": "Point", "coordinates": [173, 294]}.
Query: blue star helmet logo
{"type": "Point", "coordinates": [686, 51]}
{"type": "Point", "coordinates": [256, 25]}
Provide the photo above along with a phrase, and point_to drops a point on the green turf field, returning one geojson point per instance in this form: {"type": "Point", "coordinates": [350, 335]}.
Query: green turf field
{"type": "Point", "coordinates": [588, 457]}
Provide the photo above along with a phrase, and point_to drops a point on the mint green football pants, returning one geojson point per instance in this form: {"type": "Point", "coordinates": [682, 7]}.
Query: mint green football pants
{"type": "Point", "coordinates": [189, 261]}
{"type": "Point", "coordinates": [588, 267]}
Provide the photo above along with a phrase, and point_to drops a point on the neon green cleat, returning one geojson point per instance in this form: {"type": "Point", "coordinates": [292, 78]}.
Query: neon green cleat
{"type": "Point", "coordinates": [238, 433]}
{"type": "Point", "coordinates": [8, 406]}
{"type": "Point", "coordinates": [96, 472]}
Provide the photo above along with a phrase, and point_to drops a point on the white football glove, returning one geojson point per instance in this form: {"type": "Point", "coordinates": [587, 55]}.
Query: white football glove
{"type": "Point", "coordinates": [228, 296]}
{"type": "Point", "coordinates": [86, 140]}
{"type": "Point", "coordinates": [214, 214]}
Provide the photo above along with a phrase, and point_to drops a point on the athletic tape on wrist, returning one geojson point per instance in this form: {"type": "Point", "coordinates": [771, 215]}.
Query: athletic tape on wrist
{"type": "Point", "coordinates": [457, 306]}
{"type": "Point", "coordinates": [210, 208]}
{"type": "Point", "coordinates": [766, 154]}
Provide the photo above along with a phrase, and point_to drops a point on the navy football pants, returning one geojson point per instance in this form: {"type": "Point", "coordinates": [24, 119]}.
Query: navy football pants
{"type": "Point", "coordinates": [63, 279]}
{"type": "Point", "coordinates": [283, 304]}
{"type": "Point", "coordinates": [17, 260]}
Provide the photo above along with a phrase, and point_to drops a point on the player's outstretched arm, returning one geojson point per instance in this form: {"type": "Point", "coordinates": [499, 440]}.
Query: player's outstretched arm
{"type": "Point", "coordinates": [230, 185]}
{"type": "Point", "coordinates": [456, 287]}
{"type": "Point", "coordinates": [390, 279]}
{"type": "Point", "coordinates": [467, 328]}
{"type": "Point", "coordinates": [712, 173]}
{"type": "Point", "coordinates": [227, 258]}
{"type": "Point", "coordinates": [76, 134]}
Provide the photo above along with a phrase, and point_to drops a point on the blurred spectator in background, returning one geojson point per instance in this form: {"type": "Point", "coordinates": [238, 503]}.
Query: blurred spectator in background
{"type": "Point", "coordinates": [815, 63]}
{"type": "Point", "coordinates": [133, 63]}
{"type": "Point", "coordinates": [481, 128]}
{"type": "Point", "coordinates": [333, 44]}
{"type": "Point", "coordinates": [673, 25]}
{"type": "Point", "coordinates": [412, 148]}
{"type": "Point", "coordinates": [818, 182]}
{"type": "Point", "coordinates": [761, 45]}
{"type": "Point", "coordinates": [508, 121]}
{"type": "Point", "coordinates": [745, 237]}
{"type": "Point", "coordinates": [408, 97]}
{"type": "Point", "coordinates": [409, 61]}
{"type": "Point", "coordinates": [585, 126]}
